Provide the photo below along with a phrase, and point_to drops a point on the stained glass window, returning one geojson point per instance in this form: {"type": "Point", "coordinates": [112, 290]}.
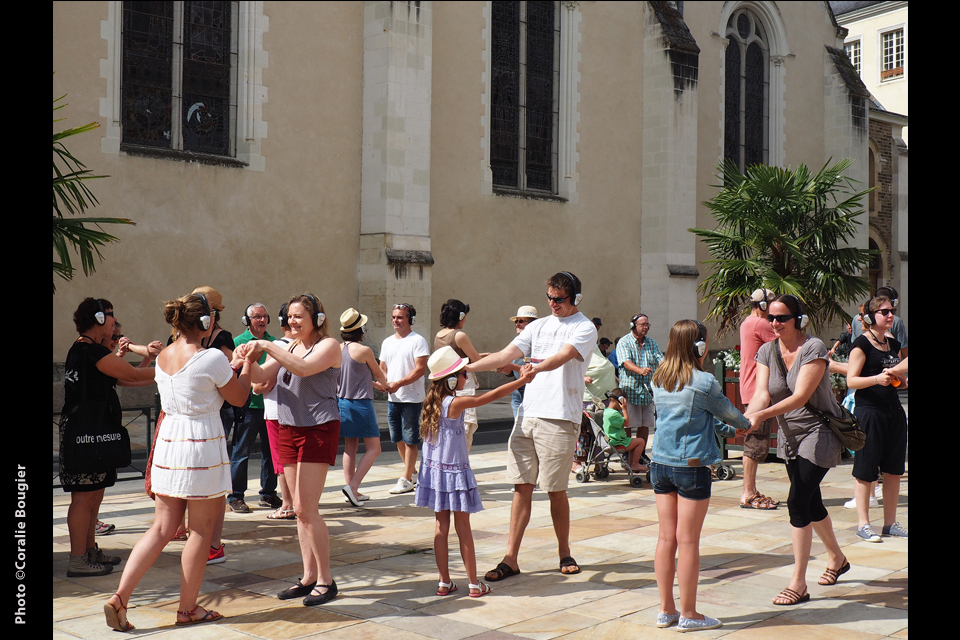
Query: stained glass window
{"type": "Point", "coordinates": [746, 90]}
{"type": "Point", "coordinates": [525, 88]}
{"type": "Point", "coordinates": [179, 67]}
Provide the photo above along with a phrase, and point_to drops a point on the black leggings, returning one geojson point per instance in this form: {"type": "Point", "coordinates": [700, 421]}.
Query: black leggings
{"type": "Point", "coordinates": [804, 502]}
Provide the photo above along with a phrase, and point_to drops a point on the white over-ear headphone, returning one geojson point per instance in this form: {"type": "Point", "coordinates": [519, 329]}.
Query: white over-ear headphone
{"type": "Point", "coordinates": [700, 346]}
{"type": "Point", "coordinates": [575, 290]}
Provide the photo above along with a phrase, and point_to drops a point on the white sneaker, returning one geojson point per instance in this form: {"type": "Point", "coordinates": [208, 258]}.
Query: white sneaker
{"type": "Point", "coordinates": [852, 503]}
{"type": "Point", "coordinates": [403, 486]}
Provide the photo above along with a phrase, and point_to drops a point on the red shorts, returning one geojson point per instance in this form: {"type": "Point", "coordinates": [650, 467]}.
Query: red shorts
{"type": "Point", "coordinates": [309, 444]}
{"type": "Point", "coordinates": [273, 435]}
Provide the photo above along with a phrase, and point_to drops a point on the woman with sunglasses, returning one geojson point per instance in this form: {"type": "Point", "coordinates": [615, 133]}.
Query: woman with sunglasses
{"type": "Point", "coordinates": [453, 315]}
{"type": "Point", "coordinates": [306, 375]}
{"type": "Point", "coordinates": [881, 417]}
{"type": "Point", "coordinates": [792, 372]}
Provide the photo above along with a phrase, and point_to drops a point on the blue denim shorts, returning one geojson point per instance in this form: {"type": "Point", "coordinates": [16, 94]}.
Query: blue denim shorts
{"type": "Point", "coordinates": [692, 483]}
{"type": "Point", "coordinates": [404, 421]}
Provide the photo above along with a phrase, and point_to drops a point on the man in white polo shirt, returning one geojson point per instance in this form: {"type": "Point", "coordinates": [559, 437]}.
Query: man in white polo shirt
{"type": "Point", "coordinates": [548, 422]}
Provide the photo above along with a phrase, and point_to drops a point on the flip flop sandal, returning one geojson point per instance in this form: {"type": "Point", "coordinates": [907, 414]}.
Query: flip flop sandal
{"type": "Point", "coordinates": [483, 588]}
{"type": "Point", "coordinates": [569, 562]}
{"type": "Point", "coordinates": [209, 616]}
{"type": "Point", "coordinates": [758, 501]}
{"type": "Point", "coordinates": [113, 616]}
{"type": "Point", "coordinates": [830, 576]}
{"type": "Point", "coordinates": [502, 571]}
{"type": "Point", "coordinates": [791, 597]}
{"type": "Point", "coordinates": [283, 514]}
{"type": "Point", "coordinates": [447, 587]}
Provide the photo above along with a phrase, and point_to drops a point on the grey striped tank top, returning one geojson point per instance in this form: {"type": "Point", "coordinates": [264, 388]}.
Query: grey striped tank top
{"type": "Point", "coordinates": [307, 401]}
{"type": "Point", "coordinates": [356, 381]}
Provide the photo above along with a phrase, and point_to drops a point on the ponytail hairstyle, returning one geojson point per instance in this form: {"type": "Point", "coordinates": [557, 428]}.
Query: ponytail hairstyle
{"type": "Point", "coordinates": [452, 312]}
{"type": "Point", "coordinates": [184, 313]}
{"type": "Point", "coordinates": [676, 370]}
{"type": "Point", "coordinates": [433, 406]}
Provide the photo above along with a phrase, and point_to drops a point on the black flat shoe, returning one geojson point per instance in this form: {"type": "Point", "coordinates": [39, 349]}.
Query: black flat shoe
{"type": "Point", "coordinates": [331, 593]}
{"type": "Point", "coordinates": [296, 592]}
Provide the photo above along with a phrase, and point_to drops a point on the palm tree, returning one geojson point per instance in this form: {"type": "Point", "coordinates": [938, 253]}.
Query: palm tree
{"type": "Point", "coordinates": [784, 230]}
{"type": "Point", "coordinates": [71, 196]}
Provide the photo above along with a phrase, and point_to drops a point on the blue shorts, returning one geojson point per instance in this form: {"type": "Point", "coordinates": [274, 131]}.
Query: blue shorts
{"type": "Point", "coordinates": [404, 421]}
{"type": "Point", "coordinates": [692, 483]}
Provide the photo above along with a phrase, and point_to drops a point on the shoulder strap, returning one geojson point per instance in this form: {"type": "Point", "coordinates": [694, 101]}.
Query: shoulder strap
{"type": "Point", "coordinates": [783, 369]}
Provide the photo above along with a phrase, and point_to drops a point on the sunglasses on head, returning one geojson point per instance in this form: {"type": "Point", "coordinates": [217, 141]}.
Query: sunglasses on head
{"type": "Point", "coordinates": [781, 318]}
{"type": "Point", "coordinates": [557, 300]}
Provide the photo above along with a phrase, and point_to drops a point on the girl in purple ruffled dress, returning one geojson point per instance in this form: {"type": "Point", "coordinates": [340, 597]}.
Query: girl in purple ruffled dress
{"type": "Point", "coordinates": [445, 482]}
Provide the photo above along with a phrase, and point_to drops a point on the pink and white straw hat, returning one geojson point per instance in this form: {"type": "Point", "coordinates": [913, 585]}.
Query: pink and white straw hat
{"type": "Point", "coordinates": [444, 362]}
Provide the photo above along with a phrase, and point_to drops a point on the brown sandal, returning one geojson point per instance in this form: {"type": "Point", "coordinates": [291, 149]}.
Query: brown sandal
{"type": "Point", "coordinates": [113, 616]}
{"type": "Point", "coordinates": [791, 597]}
{"type": "Point", "coordinates": [830, 576]}
{"type": "Point", "coordinates": [759, 501]}
{"type": "Point", "coordinates": [209, 616]}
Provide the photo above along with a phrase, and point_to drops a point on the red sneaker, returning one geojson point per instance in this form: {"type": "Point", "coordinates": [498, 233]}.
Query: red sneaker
{"type": "Point", "coordinates": [216, 555]}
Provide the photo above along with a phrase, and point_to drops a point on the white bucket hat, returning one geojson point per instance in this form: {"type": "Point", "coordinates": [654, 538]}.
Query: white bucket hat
{"type": "Point", "coordinates": [525, 311]}
{"type": "Point", "coordinates": [444, 362]}
{"type": "Point", "coordinates": [351, 320]}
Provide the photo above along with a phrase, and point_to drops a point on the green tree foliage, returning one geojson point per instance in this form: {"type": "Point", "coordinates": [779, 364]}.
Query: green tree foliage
{"type": "Point", "coordinates": [72, 197]}
{"type": "Point", "coordinates": [785, 230]}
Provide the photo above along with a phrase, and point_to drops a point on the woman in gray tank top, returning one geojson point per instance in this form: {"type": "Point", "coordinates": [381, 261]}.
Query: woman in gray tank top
{"type": "Point", "coordinates": [306, 374]}
{"type": "Point", "coordinates": [358, 419]}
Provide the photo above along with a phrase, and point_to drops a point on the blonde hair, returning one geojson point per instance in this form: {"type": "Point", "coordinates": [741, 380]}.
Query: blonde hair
{"type": "Point", "coordinates": [676, 370]}
{"type": "Point", "coordinates": [432, 408]}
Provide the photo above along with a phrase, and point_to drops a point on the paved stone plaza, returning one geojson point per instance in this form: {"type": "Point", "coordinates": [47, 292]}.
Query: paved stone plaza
{"type": "Point", "coordinates": [383, 563]}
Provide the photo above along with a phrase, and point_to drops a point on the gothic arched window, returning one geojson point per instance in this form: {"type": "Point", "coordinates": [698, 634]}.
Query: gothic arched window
{"type": "Point", "coordinates": [745, 138]}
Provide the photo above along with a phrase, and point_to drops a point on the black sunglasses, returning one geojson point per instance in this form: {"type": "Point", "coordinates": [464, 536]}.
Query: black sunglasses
{"type": "Point", "coordinates": [557, 300]}
{"type": "Point", "coordinates": [781, 319]}
{"type": "Point", "coordinates": [884, 312]}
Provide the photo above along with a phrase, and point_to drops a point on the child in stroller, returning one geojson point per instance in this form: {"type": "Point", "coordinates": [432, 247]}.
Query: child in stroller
{"type": "Point", "coordinates": [594, 447]}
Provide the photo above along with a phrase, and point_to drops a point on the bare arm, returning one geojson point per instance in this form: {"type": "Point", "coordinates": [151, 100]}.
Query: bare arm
{"type": "Point", "coordinates": [116, 367]}
{"type": "Point", "coordinates": [420, 367]}
{"type": "Point", "coordinates": [496, 360]}
{"type": "Point", "coordinates": [460, 403]}
{"type": "Point", "coordinates": [807, 382]}
{"type": "Point", "coordinates": [854, 381]}
{"type": "Point", "coordinates": [463, 341]}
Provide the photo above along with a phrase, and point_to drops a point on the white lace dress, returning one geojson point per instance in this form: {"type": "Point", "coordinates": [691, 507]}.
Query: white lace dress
{"type": "Point", "coordinates": [191, 460]}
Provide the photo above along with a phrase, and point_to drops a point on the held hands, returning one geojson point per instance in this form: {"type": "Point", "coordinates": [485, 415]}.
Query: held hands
{"type": "Point", "coordinates": [755, 423]}
{"type": "Point", "coordinates": [123, 346]}
{"type": "Point", "coordinates": [885, 378]}
{"type": "Point", "coordinates": [527, 374]}
{"type": "Point", "coordinates": [154, 348]}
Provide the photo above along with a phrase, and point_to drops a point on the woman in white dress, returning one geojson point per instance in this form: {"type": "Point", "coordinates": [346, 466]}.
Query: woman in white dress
{"type": "Point", "coordinates": [191, 470]}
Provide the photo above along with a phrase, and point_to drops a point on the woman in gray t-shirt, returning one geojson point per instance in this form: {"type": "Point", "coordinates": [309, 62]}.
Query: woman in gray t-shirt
{"type": "Point", "coordinates": [807, 445]}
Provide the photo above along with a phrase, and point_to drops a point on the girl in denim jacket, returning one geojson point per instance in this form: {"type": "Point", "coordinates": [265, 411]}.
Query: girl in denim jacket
{"type": "Point", "coordinates": [689, 403]}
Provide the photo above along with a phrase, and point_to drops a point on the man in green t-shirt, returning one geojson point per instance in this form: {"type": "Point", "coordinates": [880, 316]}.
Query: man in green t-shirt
{"type": "Point", "coordinates": [250, 425]}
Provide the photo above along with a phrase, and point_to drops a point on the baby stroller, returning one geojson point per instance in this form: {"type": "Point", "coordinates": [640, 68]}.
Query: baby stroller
{"type": "Point", "coordinates": [723, 471]}
{"type": "Point", "coordinates": [594, 450]}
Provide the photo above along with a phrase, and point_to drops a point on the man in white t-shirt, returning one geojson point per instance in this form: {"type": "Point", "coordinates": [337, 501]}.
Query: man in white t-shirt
{"type": "Point", "coordinates": [403, 360]}
{"type": "Point", "coordinates": [558, 349]}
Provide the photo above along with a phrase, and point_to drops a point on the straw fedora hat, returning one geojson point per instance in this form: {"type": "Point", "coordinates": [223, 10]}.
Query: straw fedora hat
{"type": "Point", "coordinates": [525, 311]}
{"type": "Point", "coordinates": [351, 320]}
{"type": "Point", "coordinates": [212, 295]}
{"type": "Point", "coordinates": [444, 362]}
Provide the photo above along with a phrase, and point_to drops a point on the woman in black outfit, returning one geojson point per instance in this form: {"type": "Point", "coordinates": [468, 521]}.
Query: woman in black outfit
{"type": "Point", "coordinates": [881, 416]}
{"type": "Point", "coordinates": [91, 372]}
